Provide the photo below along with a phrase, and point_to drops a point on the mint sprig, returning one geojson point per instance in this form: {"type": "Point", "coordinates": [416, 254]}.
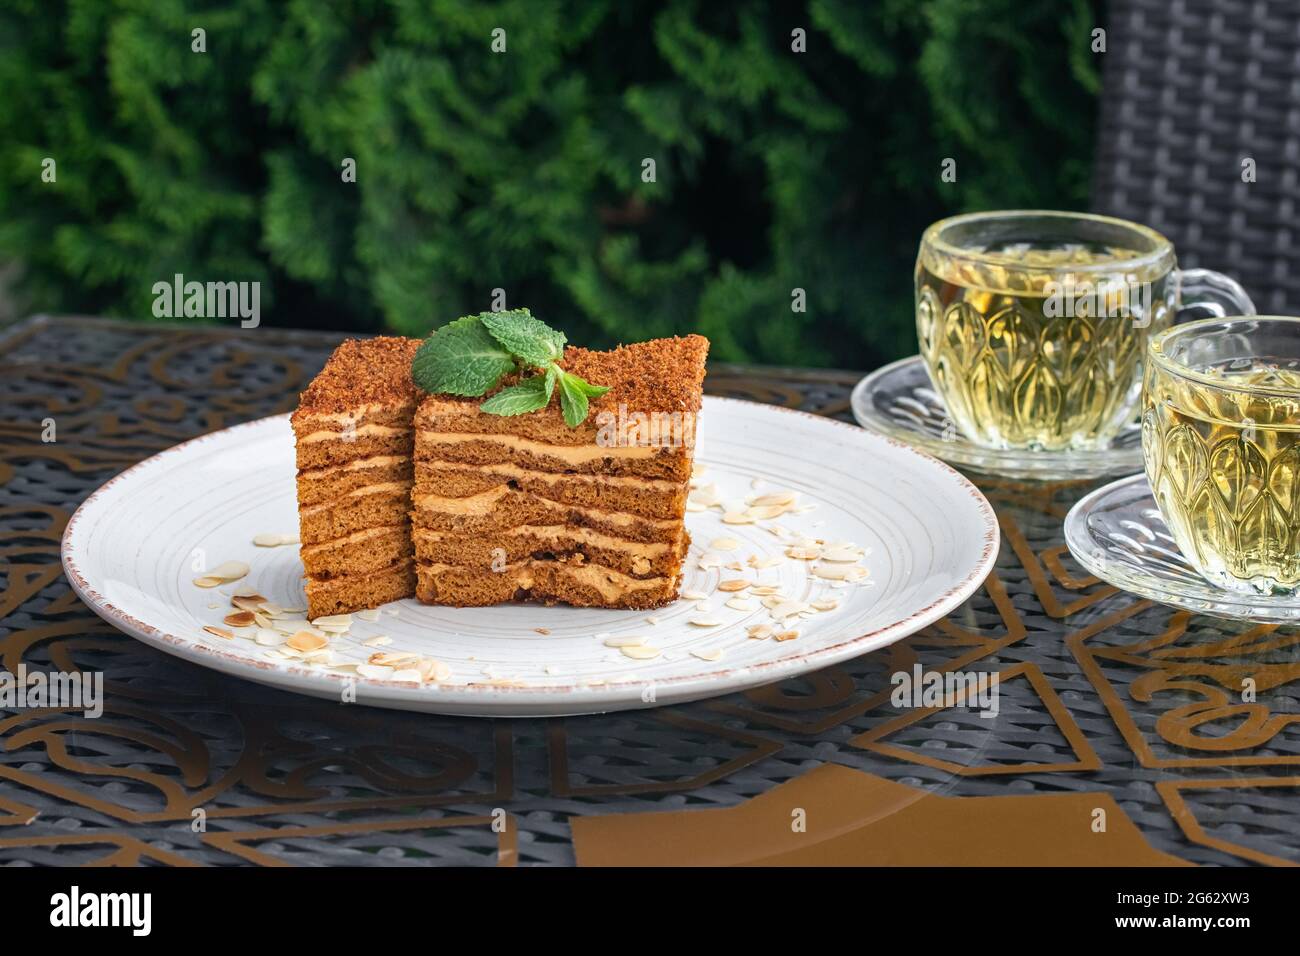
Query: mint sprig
{"type": "Point", "coordinates": [471, 355]}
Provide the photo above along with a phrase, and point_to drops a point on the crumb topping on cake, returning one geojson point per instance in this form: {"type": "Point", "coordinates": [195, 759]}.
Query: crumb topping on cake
{"type": "Point", "coordinates": [363, 371]}
{"type": "Point", "coordinates": [662, 375]}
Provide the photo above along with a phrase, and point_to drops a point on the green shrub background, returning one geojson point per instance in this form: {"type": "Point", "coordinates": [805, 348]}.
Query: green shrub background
{"type": "Point", "coordinates": [775, 170]}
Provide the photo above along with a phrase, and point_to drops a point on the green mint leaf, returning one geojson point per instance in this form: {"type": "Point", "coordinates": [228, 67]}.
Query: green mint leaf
{"type": "Point", "coordinates": [532, 340]}
{"type": "Point", "coordinates": [553, 373]}
{"type": "Point", "coordinates": [591, 391]}
{"type": "Point", "coordinates": [528, 396]}
{"type": "Point", "coordinates": [460, 358]}
{"type": "Point", "coordinates": [573, 401]}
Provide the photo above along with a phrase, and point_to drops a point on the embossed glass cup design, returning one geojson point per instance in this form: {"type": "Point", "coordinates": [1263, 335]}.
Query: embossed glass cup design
{"type": "Point", "coordinates": [1033, 324]}
{"type": "Point", "coordinates": [1221, 443]}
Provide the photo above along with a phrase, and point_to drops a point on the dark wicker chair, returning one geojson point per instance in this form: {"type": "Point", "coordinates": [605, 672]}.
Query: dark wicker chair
{"type": "Point", "coordinates": [1191, 89]}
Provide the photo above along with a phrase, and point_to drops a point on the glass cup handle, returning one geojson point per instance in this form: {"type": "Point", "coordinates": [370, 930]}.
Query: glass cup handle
{"type": "Point", "coordinates": [1206, 294]}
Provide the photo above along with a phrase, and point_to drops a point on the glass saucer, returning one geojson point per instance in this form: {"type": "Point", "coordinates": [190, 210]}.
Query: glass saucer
{"type": "Point", "coordinates": [1117, 534]}
{"type": "Point", "coordinates": [899, 401]}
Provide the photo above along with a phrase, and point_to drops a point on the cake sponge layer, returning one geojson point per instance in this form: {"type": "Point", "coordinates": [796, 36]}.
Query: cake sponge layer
{"type": "Point", "coordinates": [550, 582]}
{"type": "Point", "coordinates": [361, 552]}
{"type": "Point", "coordinates": [558, 542]}
{"type": "Point", "coordinates": [354, 592]}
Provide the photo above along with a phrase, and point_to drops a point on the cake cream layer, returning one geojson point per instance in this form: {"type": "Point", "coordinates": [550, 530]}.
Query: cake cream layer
{"type": "Point", "coordinates": [582, 585]}
{"type": "Point", "coordinates": [503, 508]}
{"type": "Point", "coordinates": [352, 592]}
{"type": "Point", "coordinates": [649, 498]}
{"type": "Point", "coordinates": [637, 559]}
{"type": "Point", "coordinates": [471, 448]}
{"type": "Point", "coordinates": [360, 552]}
{"type": "Point", "coordinates": [324, 485]}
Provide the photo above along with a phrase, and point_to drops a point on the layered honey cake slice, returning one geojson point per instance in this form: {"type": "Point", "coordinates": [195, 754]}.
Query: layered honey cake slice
{"type": "Point", "coordinates": [517, 506]}
{"type": "Point", "coordinates": [353, 437]}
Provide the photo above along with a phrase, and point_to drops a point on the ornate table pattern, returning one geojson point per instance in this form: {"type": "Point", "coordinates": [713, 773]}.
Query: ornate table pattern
{"type": "Point", "coordinates": [1112, 709]}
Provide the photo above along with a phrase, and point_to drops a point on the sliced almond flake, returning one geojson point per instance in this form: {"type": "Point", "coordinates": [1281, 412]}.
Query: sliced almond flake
{"type": "Point", "coordinates": [322, 656]}
{"type": "Point", "coordinates": [765, 512]}
{"type": "Point", "coordinates": [710, 559]}
{"type": "Point", "coordinates": [850, 555]}
{"type": "Point", "coordinates": [764, 589]}
{"type": "Point", "coordinates": [441, 671]}
{"type": "Point", "coordinates": [369, 614]}
{"type": "Point", "coordinates": [826, 604]}
{"type": "Point", "coordinates": [208, 582]}
{"type": "Point", "coordinates": [757, 483]}
{"type": "Point", "coordinates": [704, 495]}
{"type": "Point", "coordinates": [261, 620]}
{"type": "Point", "coordinates": [334, 620]}
{"type": "Point", "coordinates": [392, 658]}
{"type": "Point", "coordinates": [219, 632]}
{"type": "Point", "coordinates": [800, 553]}
{"type": "Point", "coordinates": [713, 655]}
{"type": "Point", "coordinates": [640, 652]}
{"type": "Point", "coordinates": [245, 591]}
{"type": "Point", "coordinates": [306, 641]}
{"type": "Point", "coordinates": [759, 564]}
{"type": "Point", "coordinates": [734, 566]}
{"type": "Point", "coordinates": [228, 571]}
{"type": "Point", "coordinates": [734, 584]}
{"type": "Point", "coordinates": [785, 635]}
{"type": "Point", "coordinates": [741, 604]}
{"type": "Point", "coordinates": [702, 621]}
{"type": "Point", "coordinates": [269, 638]}
{"type": "Point", "coordinates": [374, 671]}
{"type": "Point", "coordinates": [542, 630]}
{"type": "Point", "coordinates": [782, 497]}
{"type": "Point", "coordinates": [736, 517]}
{"type": "Point", "coordinates": [239, 619]}
{"type": "Point", "coordinates": [777, 530]}
{"type": "Point", "coordinates": [724, 544]}
{"type": "Point", "coordinates": [213, 607]}
{"type": "Point", "coordinates": [379, 640]}
{"type": "Point", "coordinates": [788, 609]}
{"type": "Point", "coordinates": [693, 595]}
{"type": "Point", "coordinates": [760, 632]}
{"type": "Point", "coordinates": [703, 606]}
{"type": "Point", "coordinates": [274, 540]}
{"type": "Point", "coordinates": [652, 621]}
{"type": "Point", "coordinates": [624, 641]}
{"type": "Point", "coordinates": [408, 674]}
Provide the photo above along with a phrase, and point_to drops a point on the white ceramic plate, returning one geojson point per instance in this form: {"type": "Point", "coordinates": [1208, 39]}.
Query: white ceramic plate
{"type": "Point", "coordinates": [130, 552]}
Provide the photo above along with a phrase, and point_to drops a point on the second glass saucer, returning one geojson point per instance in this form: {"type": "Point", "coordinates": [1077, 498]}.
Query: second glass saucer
{"type": "Point", "coordinates": [1118, 535]}
{"type": "Point", "coordinates": [900, 401]}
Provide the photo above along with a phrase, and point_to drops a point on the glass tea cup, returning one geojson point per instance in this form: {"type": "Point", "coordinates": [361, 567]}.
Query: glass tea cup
{"type": "Point", "coordinates": [1033, 323]}
{"type": "Point", "coordinates": [1221, 443]}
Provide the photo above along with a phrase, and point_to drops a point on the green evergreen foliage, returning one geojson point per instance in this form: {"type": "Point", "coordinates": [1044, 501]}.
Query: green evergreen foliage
{"type": "Point", "coordinates": [523, 170]}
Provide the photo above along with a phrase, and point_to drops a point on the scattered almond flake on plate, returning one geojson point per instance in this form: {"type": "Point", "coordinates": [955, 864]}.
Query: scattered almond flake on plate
{"type": "Point", "coordinates": [757, 483]}
{"type": "Point", "coordinates": [704, 495]}
{"type": "Point", "coordinates": [693, 595]}
{"type": "Point", "coordinates": [640, 652]}
{"type": "Point", "coordinates": [785, 635]}
{"type": "Point", "coordinates": [369, 614]}
{"type": "Point", "coordinates": [223, 573]}
{"type": "Point", "coordinates": [392, 658]}
{"type": "Point", "coordinates": [760, 632]}
{"type": "Point", "coordinates": [379, 640]}
{"type": "Point", "coordinates": [736, 517]}
{"type": "Point", "coordinates": [850, 555]}
{"type": "Point", "coordinates": [713, 655]}
{"type": "Point", "coordinates": [832, 572]}
{"type": "Point", "coordinates": [724, 544]}
{"type": "Point", "coordinates": [710, 559]}
{"type": "Point", "coordinates": [269, 638]}
{"type": "Point", "coordinates": [408, 674]}
{"type": "Point", "coordinates": [776, 529]}
{"type": "Point", "coordinates": [694, 507]}
{"type": "Point", "coordinates": [763, 590]}
{"type": "Point", "coordinates": [219, 632]}
{"type": "Point", "coordinates": [306, 641]}
{"type": "Point", "coordinates": [764, 512]}
{"type": "Point", "coordinates": [788, 609]}
{"type": "Point", "coordinates": [734, 566]}
{"type": "Point", "coordinates": [652, 621]}
{"type": "Point", "coordinates": [374, 671]}
{"type": "Point", "coordinates": [438, 671]}
{"type": "Point", "coordinates": [239, 619]}
{"type": "Point", "coordinates": [705, 621]}
{"type": "Point", "coordinates": [542, 630]}
{"type": "Point", "coordinates": [734, 584]}
{"type": "Point", "coordinates": [703, 606]}
{"type": "Point", "coordinates": [826, 604]}
{"type": "Point", "coordinates": [213, 607]}
{"type": "Point", "coordinates": [274, 540]}
{"type": "Point", "coordinates": [333, 620]}
{"type": "Point", "coordinates": [741, 604]}
{"type": "Point", "coordinates": [800, 553]}
{"type": "Point", "coordinates": [624, 641]}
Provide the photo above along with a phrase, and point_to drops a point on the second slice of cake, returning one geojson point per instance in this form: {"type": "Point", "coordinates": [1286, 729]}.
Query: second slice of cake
{"type": "Point", "coordinates": [525, 507]}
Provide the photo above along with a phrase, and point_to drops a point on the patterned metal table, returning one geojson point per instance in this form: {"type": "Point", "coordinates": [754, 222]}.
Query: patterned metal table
{"type": "Point", "coordinates": [1122, 735]}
